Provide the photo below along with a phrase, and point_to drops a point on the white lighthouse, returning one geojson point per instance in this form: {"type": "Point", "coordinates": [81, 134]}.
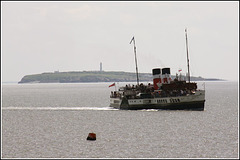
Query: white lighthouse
{"type": "Point", "coordinates": [100, 66]}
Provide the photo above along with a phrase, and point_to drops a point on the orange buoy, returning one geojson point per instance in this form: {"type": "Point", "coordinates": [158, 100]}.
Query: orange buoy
{"type": "Point", "coordinates": [91, 136]}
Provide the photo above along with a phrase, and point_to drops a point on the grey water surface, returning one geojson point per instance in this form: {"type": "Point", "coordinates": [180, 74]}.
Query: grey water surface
{"type": "Point", "coordinates": [53, 121]}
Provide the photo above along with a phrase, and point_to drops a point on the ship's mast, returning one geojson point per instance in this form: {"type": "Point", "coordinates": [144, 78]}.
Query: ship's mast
{"type": "Point", "coordinates": [187, 56]}
{"type": "Point", "coordinates": [135, 58]}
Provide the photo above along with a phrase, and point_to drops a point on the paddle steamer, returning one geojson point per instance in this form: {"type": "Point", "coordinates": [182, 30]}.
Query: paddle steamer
{"type": "Point", "coordinates": [164, 93]}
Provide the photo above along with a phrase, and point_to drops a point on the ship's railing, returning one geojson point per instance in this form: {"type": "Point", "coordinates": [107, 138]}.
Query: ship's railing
{"type": "Point", "coordinates": [174, 93]}
{"type": "Point", "coordinates": [147, 91]}
{"type": "Point", "coordinates": [116, 94]}
{"type": "Point", "coordinates": [159, 94]}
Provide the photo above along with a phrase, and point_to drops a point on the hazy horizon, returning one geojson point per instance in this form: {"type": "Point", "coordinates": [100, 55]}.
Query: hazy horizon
{"type": "Point", "coordinates": [64, 36]}
{"type": "Point", "coordinates": [123, 71]}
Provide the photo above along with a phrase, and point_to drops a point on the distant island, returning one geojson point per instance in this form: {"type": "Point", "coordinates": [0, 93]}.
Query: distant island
{"type": "Point", "coordinates": [94, 76]}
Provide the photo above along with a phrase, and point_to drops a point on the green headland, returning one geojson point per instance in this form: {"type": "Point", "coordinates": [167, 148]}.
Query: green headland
{"type": "Point", "coordinates": [94, 76]}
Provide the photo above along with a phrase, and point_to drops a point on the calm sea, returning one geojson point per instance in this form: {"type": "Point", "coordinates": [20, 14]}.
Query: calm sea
{"type": "Point", "coordinates": [53, 121]}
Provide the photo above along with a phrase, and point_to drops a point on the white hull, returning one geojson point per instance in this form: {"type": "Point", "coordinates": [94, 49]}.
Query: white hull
{"type": "Point", "coordinates": [191, 102]}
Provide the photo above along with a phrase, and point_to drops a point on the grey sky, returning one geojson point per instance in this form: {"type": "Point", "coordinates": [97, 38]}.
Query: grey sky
{"type": "Point", "coordinates": [42, 37]}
